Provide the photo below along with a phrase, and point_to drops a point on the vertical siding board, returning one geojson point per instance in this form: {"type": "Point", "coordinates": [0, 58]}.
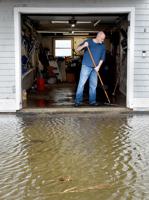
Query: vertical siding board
{"type": "Point", "coordinates": [7, 56]}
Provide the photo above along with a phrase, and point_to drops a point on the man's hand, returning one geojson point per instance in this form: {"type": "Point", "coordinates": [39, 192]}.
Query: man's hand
{"type": "Point", "coordinates": [85, 44]}
{"type": "Point", "coordinates": [97, 68]}
{"type": "Point", "coordinates": [79, 48]}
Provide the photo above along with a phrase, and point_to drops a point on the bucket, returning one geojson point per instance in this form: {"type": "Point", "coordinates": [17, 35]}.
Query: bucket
{"type": "Point", "coordinates": [40, 84]}
{"type": "Point", "coordinates": [41, 103]}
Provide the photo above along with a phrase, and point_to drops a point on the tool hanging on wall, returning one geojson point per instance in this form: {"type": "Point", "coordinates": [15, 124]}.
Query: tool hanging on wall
{"type": "Point", "coordinates": [91, 56]}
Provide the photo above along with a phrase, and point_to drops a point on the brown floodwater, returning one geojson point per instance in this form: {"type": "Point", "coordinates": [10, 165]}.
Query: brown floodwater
{"type": "Point", "coordinates": [74, 157]}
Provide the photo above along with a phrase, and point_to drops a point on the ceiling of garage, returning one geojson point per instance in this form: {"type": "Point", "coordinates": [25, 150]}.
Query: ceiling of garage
{"type": "Point", "coordinates": [84, 23]}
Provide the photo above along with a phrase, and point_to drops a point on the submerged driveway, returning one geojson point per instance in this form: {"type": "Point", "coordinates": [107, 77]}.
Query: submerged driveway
{"type": "Point", "coordinates": [74, 156]}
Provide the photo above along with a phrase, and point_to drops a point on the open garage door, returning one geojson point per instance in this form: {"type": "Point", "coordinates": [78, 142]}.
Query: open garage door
{"type": "Point", "coordinates": [50, 65]}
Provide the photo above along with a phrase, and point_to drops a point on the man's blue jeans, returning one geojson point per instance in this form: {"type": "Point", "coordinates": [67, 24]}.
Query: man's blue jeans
{"type": "Point", "coordinates": [87, 72]}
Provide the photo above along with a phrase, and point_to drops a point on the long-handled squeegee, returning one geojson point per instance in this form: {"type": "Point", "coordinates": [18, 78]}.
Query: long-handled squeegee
{"type": "Point", "coordinates": [91, 56]}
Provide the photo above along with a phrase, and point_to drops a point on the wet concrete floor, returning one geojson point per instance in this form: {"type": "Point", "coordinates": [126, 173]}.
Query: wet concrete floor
{"type": "Point", "coordinates": [71, 156]}
{"type": "Point", "coordinates": [62, 95]}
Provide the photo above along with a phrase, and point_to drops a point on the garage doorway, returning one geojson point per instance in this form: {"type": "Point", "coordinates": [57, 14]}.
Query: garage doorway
{"type": "Point", "coordinates": [117, 71]}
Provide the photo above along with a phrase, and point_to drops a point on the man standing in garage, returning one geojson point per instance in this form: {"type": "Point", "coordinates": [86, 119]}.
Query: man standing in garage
{"type": "Point", "coordinates": [88, 71]}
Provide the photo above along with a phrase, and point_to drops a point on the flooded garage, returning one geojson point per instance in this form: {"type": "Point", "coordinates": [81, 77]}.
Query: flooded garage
{"type": "Point", "coordinates": [51, 63]}
{"type": "Point", "coordinates": [90, 156]}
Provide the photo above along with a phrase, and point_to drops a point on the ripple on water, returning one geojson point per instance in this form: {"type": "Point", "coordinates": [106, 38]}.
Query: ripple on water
{"type": "Point", "coordinates": [74, 157]}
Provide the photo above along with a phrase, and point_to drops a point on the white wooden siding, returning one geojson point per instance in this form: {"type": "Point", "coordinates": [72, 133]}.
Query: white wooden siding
{"type": "Point", "coordinates": [7, 58]}
{"type": "Point", "coordinates": [7, 61]}
{"type": "Point", "coordinates": [141, 73]}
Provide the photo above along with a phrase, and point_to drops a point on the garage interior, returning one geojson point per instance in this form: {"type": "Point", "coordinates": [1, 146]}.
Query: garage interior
{"type": "Point", "coordinates": [51, 65]}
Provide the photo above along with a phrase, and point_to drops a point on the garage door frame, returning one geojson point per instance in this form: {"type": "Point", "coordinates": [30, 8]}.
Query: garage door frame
{"type": "Point", "coordinates": [75, 10]}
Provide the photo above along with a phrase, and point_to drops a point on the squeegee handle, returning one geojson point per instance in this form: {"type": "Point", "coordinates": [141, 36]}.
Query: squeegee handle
{"type": "Point", "coordinates": [91, 56]}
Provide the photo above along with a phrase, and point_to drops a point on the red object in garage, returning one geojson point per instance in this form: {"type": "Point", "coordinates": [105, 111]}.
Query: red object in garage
{"type": "Point", "coordinates": [40, 84]}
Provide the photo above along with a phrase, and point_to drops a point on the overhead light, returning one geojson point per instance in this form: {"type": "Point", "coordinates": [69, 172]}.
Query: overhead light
{"type": "Point", "coordinates": [72, 22]}
{"type": "Point", "coordinates": [84, 22]}
{"type": "Point", "coordinates": [73, 25]}
{"type": "Point", "coordinates": [76, 33]}
{"type": "Point", "coordinates": [46, 31]}
{"type": "Point", "coordinates": [59, 22]}
{"type": "Point", "coordinates": [87, 31]}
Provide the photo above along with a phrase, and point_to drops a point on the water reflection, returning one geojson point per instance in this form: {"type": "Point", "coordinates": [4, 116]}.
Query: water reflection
{"type": "Point", "coordinates": [74, 157]}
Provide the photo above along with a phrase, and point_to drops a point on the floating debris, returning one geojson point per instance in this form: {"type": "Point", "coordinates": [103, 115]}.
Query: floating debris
{"type": "Point", "coordinates": [84, 189]}
{"type": "Point", "coordinates": [69, 189]}
{"type": "Point", "coordinates": [65, 179]}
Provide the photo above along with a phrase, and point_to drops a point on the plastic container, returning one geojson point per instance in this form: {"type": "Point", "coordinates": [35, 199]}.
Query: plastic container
{"type": "Point", "coordinates": [40, 84]}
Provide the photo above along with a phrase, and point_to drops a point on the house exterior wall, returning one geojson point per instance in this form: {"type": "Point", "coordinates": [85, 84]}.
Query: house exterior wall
{"type": "Point", "coordinates": [7, 45]}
